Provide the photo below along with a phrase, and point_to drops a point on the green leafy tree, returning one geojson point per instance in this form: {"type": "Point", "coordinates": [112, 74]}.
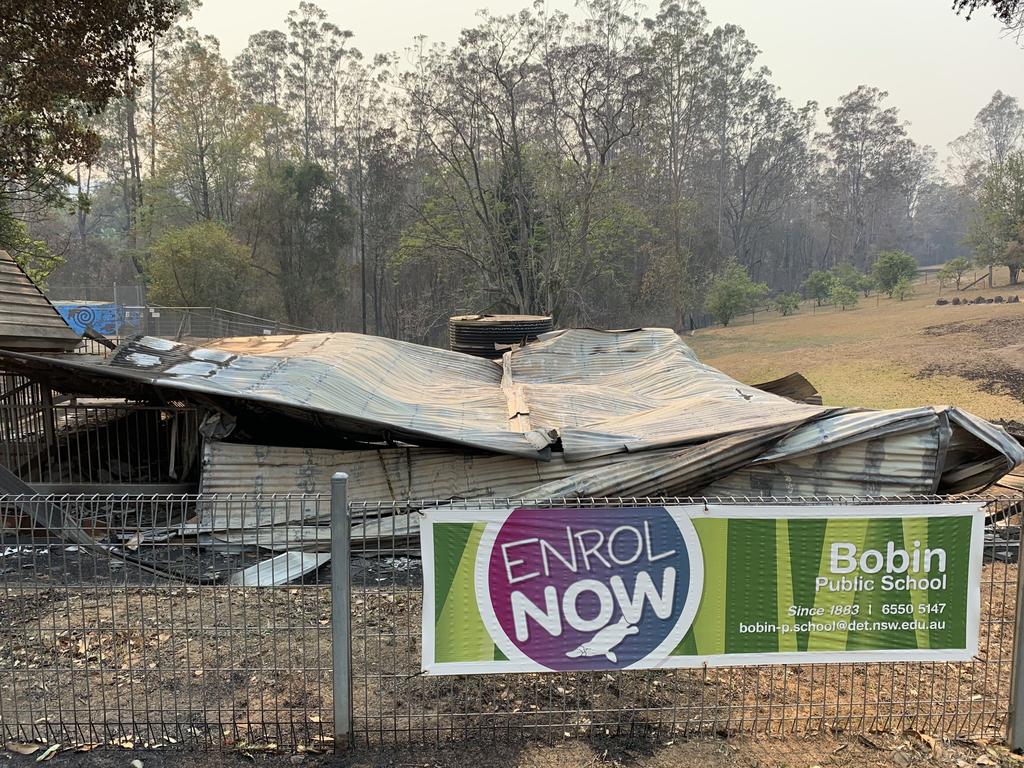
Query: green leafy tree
{"type": "Point", "coordinates": [207, 137]}
{"type": "Point", "coordinates": [33, 255]}
{"type": "Point", "coordinates": [843, 296]}
{"type": "Point", "coordinates": [787, 303]}
{"type": "Point", "coordinates": [903, 289]}
{"type": "Point", "coordinates": [309, 229]}
{"type": "Point", "coordinates": [999, 216]}
{"type": "Point", "coordinates": [201, 265]}
{"type": "Point", "coordinates": [60, 63]}
{"type": "Point", "coordinates": [1013, 254]}
{"type": "Point", "coordinates": [818, 285]}
{"type": "Point", "coordinates": [953, 271]}
{"type": "Point", "coordinates": [732, 292]}
{"type": "Point", "coordinates": [852, 278]}
{"type": "Point", "coordinates": [891, 267]}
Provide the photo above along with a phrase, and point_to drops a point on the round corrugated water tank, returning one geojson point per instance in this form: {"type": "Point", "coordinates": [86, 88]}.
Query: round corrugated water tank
{"type": "Point", "coordinates": [480, 335]}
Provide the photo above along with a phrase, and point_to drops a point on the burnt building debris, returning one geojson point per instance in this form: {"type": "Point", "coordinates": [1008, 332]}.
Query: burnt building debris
{"type": "Point", "coordinates": [574, 414]}
{"type": "Point", "coordinates": [580, 400]}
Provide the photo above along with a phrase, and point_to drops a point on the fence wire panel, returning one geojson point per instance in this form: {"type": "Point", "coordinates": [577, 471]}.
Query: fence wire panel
{"type": "Point", "coordinates": [97, 443]}
{"type": "Point", "coordinates": [204, 619]}
{"type": "Point", "coordinates": [393, 703]}
{"type": "Point", "coordinates": [149, 620]}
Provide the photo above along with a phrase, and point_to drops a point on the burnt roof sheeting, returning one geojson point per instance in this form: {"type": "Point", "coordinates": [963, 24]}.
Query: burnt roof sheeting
{"type": "Point", "coordinates": [28, 321]}
{"type": "Point", "coordinates": [275, 521]}
{"type": "Point", "coordinates": [601, 392]}
{"type": "Point", "coordinates": [895, 453]}
{"type": "Point", "coordinates": [795, 386]}
{"type": "Point", "coordinates": [399, 475]}
{"type": "Point", "coordinates": [592, 394]}
{"type": "Point", "coordinates": [613, 391]}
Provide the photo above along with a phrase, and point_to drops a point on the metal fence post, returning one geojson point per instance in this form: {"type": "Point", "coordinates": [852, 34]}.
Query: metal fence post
{"type": "Point", "coordinates": [341, 611]}
{"type": "Point", "coordinates": [1015, 721]}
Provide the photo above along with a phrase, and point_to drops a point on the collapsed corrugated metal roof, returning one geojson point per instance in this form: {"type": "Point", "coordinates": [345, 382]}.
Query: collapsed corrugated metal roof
{"type": "Point", "coordinates": [891, 453]}
{"type": "Point", "coordinates": [28, 321]}
{"type": "Point", "coordinates": [577, 413]}
{"type": "Point", "coordinates": [593, 393]}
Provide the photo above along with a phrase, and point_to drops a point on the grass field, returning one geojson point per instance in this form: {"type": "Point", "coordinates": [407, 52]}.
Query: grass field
{"type": "Point", "coordinates": [886, 353]}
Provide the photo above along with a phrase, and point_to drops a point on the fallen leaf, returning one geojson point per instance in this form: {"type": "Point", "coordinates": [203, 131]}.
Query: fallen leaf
{"type": "Point", "coordinates": [50, 752]}
{"type": "Point", "coordinates": [22, 749]}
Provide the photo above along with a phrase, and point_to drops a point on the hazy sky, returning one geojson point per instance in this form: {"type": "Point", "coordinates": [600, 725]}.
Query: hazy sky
{"type": "Point", "coordinates": [938, 69]}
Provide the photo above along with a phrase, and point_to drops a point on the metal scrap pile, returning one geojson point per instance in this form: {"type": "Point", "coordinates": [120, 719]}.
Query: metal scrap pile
{"type": "Point", "coordinates": [578, 413]}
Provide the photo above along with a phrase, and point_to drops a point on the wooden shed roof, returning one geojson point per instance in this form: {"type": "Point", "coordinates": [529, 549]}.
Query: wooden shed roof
{"type": "Point", "coordinates": [28, 321]}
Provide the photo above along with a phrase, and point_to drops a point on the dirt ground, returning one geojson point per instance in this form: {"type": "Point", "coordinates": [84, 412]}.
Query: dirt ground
{"type": "Point", "coordinates": [838, 751]}
{"type": "Point", "coordinates": [247, 671]}
{"type": "Point", "coordinates": [886, 353]}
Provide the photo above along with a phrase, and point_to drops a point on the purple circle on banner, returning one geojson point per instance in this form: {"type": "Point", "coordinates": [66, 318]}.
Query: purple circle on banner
{"type": "Point", "coordinates": [588, 588]}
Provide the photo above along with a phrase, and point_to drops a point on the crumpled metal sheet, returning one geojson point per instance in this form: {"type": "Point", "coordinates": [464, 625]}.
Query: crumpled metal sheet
{"type": "Point", "coordinates": [595, 392]}
{"type": "Point", "coordinates": [608, 392]}
{"type": "Point", "coordinates": [896, 453]}
{"type": "Point", "coordinates": [571, 398]}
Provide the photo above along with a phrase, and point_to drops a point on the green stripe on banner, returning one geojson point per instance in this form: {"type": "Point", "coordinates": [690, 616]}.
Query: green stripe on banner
{"type": "Point", "coordinates": [946, 533]}
{"type": "Point", "coordinates": [871, 603]}
{"type": "Point", "coordinates": [806, 537]}
{"type": "Point", "coordinates": [461, 634]}
{"type": "Point", "coordinates": [916, 530]}
{"type": "Point", "coordinates": [783, 575]}
{"type": "Point", "coordinates": [750, 586]}
{"type": "Point", "coordinates": [449, 543]}
{"type": "Point", "coordinates": [707, 635]}
{"type": "Point", "coordinates": [851, 530]}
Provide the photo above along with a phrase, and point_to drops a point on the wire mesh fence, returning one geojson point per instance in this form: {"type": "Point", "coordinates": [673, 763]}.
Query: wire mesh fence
{"type": "Point", "coordinates": [122, 621]}
{"type": "Point", "coordinates": [159, 619]}
{"type": "Point", "coordinates": [50, 440]}
{"type": "Point", "coordinates": [394, 704]}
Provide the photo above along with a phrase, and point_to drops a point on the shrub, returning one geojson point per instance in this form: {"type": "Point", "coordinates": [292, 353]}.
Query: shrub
{"type": "Point", "coordinates": [201, 265]}
{"type": "Point", "coordinates": [817, 286]}
{"type": "Point", "coordinates": [733, 292]}
{"type": "Point", "coordinates": [848, 275]}
{"type": "Point", "coordinates": [843, 296]}
{"type": "Point", "coordinates": [902, 290]}
{"type": "Point", "coordinates": [953, 271]}
{"type": "Point", "coordinates": [890, 268]}
{"type": "Point", "coordinates": [787, 303]}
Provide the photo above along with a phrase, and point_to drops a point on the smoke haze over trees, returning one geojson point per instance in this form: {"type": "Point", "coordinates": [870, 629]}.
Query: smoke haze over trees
{"type": "Point", "coordinates": [611, 171]}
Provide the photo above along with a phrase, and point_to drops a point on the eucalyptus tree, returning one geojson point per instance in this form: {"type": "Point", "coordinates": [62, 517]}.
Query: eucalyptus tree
{"type": "Point", "coordinates": [259, 72]}
{"type": "Point", "coordinates": [474, 102]}
{"type": "Point", "coordinates": [317, 50]}
{"type": "Point", "coordinates": [680, 54]}
{"type": "Point", "coordinates": [206, 134]}
{"type": "Point", "coordinates": [870, 175]}
{"type": "Point", "coordinates": [998, 130]}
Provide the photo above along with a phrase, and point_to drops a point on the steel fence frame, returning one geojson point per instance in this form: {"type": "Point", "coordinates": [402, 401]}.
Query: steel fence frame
{"type": "Point", "coordinates": [930, 697]}
{"type": "Point", "coordinates": [114, 631]}
{"type": "Point", "coordinates": [91, 652]}
{"type": "Point", "coordinates": [47, 438]}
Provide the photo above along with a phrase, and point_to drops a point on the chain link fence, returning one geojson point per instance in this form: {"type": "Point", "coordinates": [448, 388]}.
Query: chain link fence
{"type": "Point", "coordinates": [131, 619]}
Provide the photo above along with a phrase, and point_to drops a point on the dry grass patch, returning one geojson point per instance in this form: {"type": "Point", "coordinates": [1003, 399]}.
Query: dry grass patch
{"type": "Point", "coordinates": [885, 353]}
